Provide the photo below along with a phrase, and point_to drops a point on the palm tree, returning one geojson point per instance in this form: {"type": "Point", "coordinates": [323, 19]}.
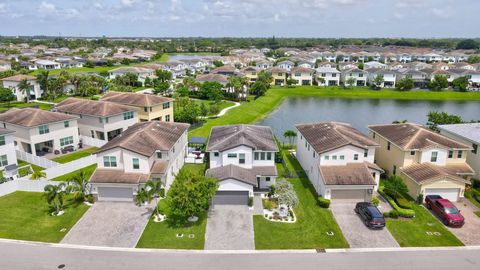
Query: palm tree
{"type": "Point", "coordinates": [42, 79]}
{"type": "Point", "coordinates": [78, 185]}
{"type": "Point", "coordinates": [151, 191]}
{"type": "Point", "coordinates": [290, 134]}
{"type": "Point", "coordinates": [54, 195]}
{"type": "Point", "coordinates": [38, 175]}
{"type": "Point", "coordinates": [24, 87]}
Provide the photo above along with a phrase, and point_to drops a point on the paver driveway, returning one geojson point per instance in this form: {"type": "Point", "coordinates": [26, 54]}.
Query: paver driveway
{"type": "Point", "coordinates": [469, 233]}
{"type": "Point", "coordinates": [356, 233]}
{"type": "Point", "coordinates": [112, 224]}
{"type": "Point", "coordinates": [229, 227]}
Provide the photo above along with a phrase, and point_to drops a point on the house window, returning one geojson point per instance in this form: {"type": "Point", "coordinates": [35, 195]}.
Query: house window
{"type": "Point", "coordinates": [460, 154]}
{"type": "Point", "coordinates": [360, 75]}
{"type": "Point", "coordinates": [232, 155]}
{"type": "Point", "coordinates": [103, 120]}
{"type": "Point", "coordinates": [388, 146]}
{"type": "Point", "coordinates": [308, 146]}
{"type": "Point", "coordinates": [166, 105]}
{"type": "Point", "coordinates": [267, 179]}
{"type": "Point", "coordinates": [412, 153]}
{"type": "Point", "coordinates": [159, 155]}
{"type": "Point", "coordinates": [280, 74]}
{"type": "Point", "coordinates": [374, 174]}
{"type": "Point", "coordinates": [109, 161]}
{"type": "Point", "coordinates": [326, 157]}
{"type": "Point", "coordinates": [373, 135]}
{"type": "Point", "coordinates": [216, 154]}
{"type": "Point", "coordinates": [145, 109]}
{"type": "Point", "coordinates": [313, 154]}
{"type": "Point", "coordinates": [66, 141]}
{"type": "Point", "coordinates": [355, 157]}
{"type": "Point", "coordinates": [2, 140]}
{"type": "Point", "coordinates": [394, 170]}
{"type": "Point", "coordinates": [365, 153]}
{"type": "Point", "coordinates": [43, 129]}
{"type": "Point", "coordinates": [324, 75]}
{"type": "Point", "coordinates": [3, 160]}
{"type": "Point", "coordinates": [298, 74]}
{"type": "Point", "coordinates": [450, 154]}
{"type": "Point", "coordinates": [434, 156]}
{"type": "Point", "coordinates": [127, 115]}
{"type": "Point", "coordinates": [66, 124]}
{"type": "Point", "coordinates": [334, 75]}
{"type": "Point", "coordinates": [241, 158]}
{"type": "Point", "coordinates": [305, 144]}
{"type": "Point", "coordinates": [256, 156]}
{"type": "Point", "coordinates": [262, 156]}
{"type": "Point", "coordinates": [334, 157]}
{"type": "Point", "coordinates": [167, 118]}
{"type": "Point", "coordinates": [136, 163]}
{"type": "Point", "coordinates": [342, 157]}
{"type": "Point", "coordinates": [269, 156]}
{"type": "Point", "coordinates": [475, 148]}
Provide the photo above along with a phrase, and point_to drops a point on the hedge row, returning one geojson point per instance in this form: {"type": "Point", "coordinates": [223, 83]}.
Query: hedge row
{"type": "Point", "coordinates": [322, 202]}
{"type": "Point", "coordinates": [397, 210]}
{"type": "Point", "coordinates": [401, 201]}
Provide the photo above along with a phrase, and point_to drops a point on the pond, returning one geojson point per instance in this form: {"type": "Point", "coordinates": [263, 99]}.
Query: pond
{"type": "Point", "coordinates": [180, 56]}
{"type": "Point", "coordinates": [362, 112]}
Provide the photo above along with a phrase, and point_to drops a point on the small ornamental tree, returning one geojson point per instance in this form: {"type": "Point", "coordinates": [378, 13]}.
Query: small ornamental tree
{"type": "Point", "coordinates": [290, 135]}
{"type": "Point", "coordinates": [460, 84]}
{"type": "Point", "coordinates": [396, 183]}
{"type": "Point", "coordinates": [438, 83]}
{"type": "Point", "coordinates": [54, 195]}
{"type": "Point", "coordinates": [6, 95]}
{"type": "Point", "coordinates": [350, 82]}
{"type": "Point", "coordinates": [286, 194]}
{"type": "Point", "coordinates": [405, 84]}
{"type": "Point", "coordinates": [152, 190]}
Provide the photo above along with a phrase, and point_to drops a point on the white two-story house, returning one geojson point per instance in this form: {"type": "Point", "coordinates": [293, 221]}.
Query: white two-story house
{"type": "Point", "coordinates": [99, 119]}
{"type": "Point", "coordinates": [359, 76]}
{"type": "Point", "coordinates": [328, 76]}
{"type": "Point", "coordinates": [13, 82]}
{"type": "Point", "coordinates": [338, 160]}
{"type": "Point", "coordinates": [242, 158]}
{"type": "Point", "coordinates": [7, 148]}
{"type": "Point", "coordinates": [389, 77]}
{"type": "Point", "coordinates": [39, 132]}
{"type": "Point", "coordinates": [148, 150]}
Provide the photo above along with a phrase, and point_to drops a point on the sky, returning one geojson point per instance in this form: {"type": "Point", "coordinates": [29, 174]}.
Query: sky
{"type": "Point", "coordinates": [241, 18]}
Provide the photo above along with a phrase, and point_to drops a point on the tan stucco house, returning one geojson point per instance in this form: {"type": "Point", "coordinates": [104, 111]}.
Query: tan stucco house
{"type": "Point", "coordinates": [428, 162]}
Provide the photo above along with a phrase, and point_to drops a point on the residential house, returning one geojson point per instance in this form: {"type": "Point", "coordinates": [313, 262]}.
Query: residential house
{"type": "Point", "coordinates": [306, 64]}
{"type": "Point", "coordinates": [242, 158]}
{"type": "Point", "coordinates": [263, 64]}
{"type": "Point", "coordinates": [302, 75]}
{"type": "Point", "coordinates": [374, 64]}
{"type": "Point", "coordinates": [33, 92]}
{"type": "Point", "coordinates": [468, 134]}
{"type": "Point", "coordinates": [226, 70]}
{"type": "Point", "coordinates": [39, 132]}
{"type": "Point", "coordinates": [151, 107]}
{"type": "Point", "coordinates": [328, 76]}
{"type": "Point", "coordinates": [360, 76]}
{"type": "Point", "coordinates": [149, 150]}
{"type": "Point", "coordinates": [5, 65]}
{"type": "Point", "coordinates": [213, 77]}
{"type": "Point", "coordinates": [389, 77]}
{"type": "Point", "coordinates": [251, 73]}
{"type": "Point", "coordinates": [8, 155]}
{"type": "Point", "coordinates": [338, 160]}
{"type": "Point", "coordinates": [429, 163]}
{"type": "Point", "coordinates": [141, 72]}
{"type": "Point", "coordinates": [279, 75]}
{"type": "Point", "coordinates": [286, 64]}
{"type": "Point", "coordinates": [420, 78]}
{"type": "Point", "coordinates": [47, 64]}
{"type": "Point", "coordinates": [99, 119]}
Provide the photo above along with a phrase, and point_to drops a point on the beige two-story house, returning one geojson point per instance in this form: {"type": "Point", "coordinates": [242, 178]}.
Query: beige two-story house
{"type": "Point", "coordinates": [428, 162]}
{"type": "Point", "coordinates": [302, 75]}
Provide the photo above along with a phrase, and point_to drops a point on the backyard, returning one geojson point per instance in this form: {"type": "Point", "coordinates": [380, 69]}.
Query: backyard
{"type": "Point", "coordinates": [75, 155]}
{"type": "Point", "coordinates": [88, 172]}
{"type": "Point", "coordinates": [26, 216]}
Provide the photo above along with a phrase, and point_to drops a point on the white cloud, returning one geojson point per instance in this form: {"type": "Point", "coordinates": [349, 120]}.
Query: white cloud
{"type": "Point", "coordinates": [128, 3]}
{"type": "Point", "coordinates": [46, 8]}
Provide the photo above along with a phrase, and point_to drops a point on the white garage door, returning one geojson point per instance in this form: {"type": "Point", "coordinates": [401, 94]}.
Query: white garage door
{"type": "Point", "coordinates": [446, 193]}
{"type": "Point", "coordinates": [115, 194]}
{"type": "Point", "coordinates": [348, 195]}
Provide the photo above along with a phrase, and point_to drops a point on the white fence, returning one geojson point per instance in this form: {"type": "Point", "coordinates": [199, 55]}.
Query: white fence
{"type": "Point", "coordinates": [92, 141]}
{"type": "Point", "coordinates": [25, 184]}
{"type": "Point", "coordinates": [71, 166]}
{"type": "Point", "coordinates": [39, 161]}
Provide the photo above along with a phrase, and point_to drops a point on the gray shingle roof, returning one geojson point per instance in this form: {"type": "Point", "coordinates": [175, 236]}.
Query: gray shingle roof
{"type": "Point", "coordinates": [350, 174]}
{"type": "Point", "coordinates": [469, 131]}
{"type": "Point", "coordinates": [228, 137]}
{"type": "Point", "coordinates": [248, 176]}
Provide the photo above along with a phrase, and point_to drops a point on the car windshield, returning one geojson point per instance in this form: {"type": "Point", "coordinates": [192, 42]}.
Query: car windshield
{"type": "Point", "coordinates": [451, 210]}
{"type": "Point", "coordinates": [374, 212]}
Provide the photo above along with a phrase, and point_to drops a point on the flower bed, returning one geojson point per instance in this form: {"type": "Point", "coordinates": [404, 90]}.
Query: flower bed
{"type": "Point", "coordinates": [272, 211]}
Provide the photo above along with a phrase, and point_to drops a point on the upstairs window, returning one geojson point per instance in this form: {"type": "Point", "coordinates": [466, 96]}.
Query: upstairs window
{"type": "Point", "coordinates": [269, 156]}
{"type": "Point", "coordinates": [475, 148]}
{"type": "Point", "coordinates": [434, 156]}
{"type": "Point", "coordinates": [43, 129]}
{"type": "Point", "coordinates": [388, 146]}
{"type": "Point", "coordinates": [166, 105]}
{"type": "Point", "coordinates": [136, 163]}
{"type": "Point", "coordinates": [2, 140]}
{"type": "Point", "coordinates": [127, 115]}
{"type": "Point", "coordinates": [450, 154]}
{"type": "Point", "coordinates": [412, 153]}
{"type": "Point", "coordinates": [460, 154]}
{"type": "Point", "coordinates": [365, 153]}
{"type": "Point", "coordinates": [355, 157]}
{"type": "Point", "coordinates": [66, 124]}
{"type": "Point", "coordinates": [216, 154]}
{"type": "Point", "coordinates": [241, 158]}
{"type": "Point", "coordinates": [326, 157]}
{"type": "Point", "coordinates": [159, 155]}
{"type": "Point", "coordinates": [256, 156]}
{"type": "Point", "coordinates": [109, 161]}
{"type": "Point", "coordinates": [232, 155]}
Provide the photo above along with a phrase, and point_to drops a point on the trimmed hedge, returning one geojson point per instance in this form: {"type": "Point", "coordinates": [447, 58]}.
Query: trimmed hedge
{"type": "Point", "coordinates": [324, 203]}
{"type": "Point", "coordinates": [406, 213]}
{"type": "Point", "coordinates": [399, 199]}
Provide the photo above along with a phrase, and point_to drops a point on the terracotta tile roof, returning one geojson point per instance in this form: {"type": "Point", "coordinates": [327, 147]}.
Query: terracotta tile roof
{"type": "Point", "coordinates": [92, 107]}
{"type": "Point", "coordinates": [327, 136]}
{"type": "Point", "coordinates": [248, 176]}
{"type": "Point", "coordinates": [350, 174]}
{"type": "Point", "coordinates": [427, 172]}
{"type": "Point", "coordinates": [135, 99]}
{"type": "Point", "coordinates": [159, 167]}
{"type": "Point", "coordinates": [117, 176]}
{"type": "Point", "coordinates": [410, 136]}
{"type": "Point", "coordinates": [227, 137]}
{"type": "Point", "coordinates": [18, 78]}
{"type": "Point", "coordinates": [30, 117]}
{"type": "Point", "coordinates": [146, 138]}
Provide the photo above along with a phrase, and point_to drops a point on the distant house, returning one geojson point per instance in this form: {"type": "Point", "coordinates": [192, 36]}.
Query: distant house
{"type": "Point", "coordinates": [149, 150]}
{"type": "Point", "coordinates": [150, 107]}
{"type": "Point", "coordinates": [374, 64]}
{"type": "Point", "coordinates": [389, 77]}
{"type": "Point", "coordinates": [359, 76]}
{"type": "Point", "coordinates": [429, 163]}
{"type": "Point", "coordinates": [226, 70]}
{"type": "Point", "coordinates": [279, 75]}
{"type": "Point", "coordinates": [263, 64]}
{"type": "Point", "coordinates": [47, 64]}
{"type": "Point", "coordinates": [142, 73]}
{"type": "Point", "coordinates": [99, 119]}
{"type": "Point", "coordinates": [302, 75]}
{"type": "Point", "coordinates": [5, 65]}
{"type": "Point", "coordinates": [39, 132]}
{"type": "Point", "coordinates": [287, 65]}
{"type": "Point", "coordinates": [338, 160]}
{"type": "Point", "coordinates": [327, 76]}
{"type": "Point", "coordinates": [242, 158]}
{"type": "Point", "coordinates": [7, 148]}
{"type": "Point", "coordinates": [212, 77]}
{"type": "Point", "coordinates": [251, 73]}
{"type": "Point", "coordinates": [33, 93]}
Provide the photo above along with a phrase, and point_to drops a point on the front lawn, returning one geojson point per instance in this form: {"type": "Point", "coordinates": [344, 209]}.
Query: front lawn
{"type": "Point", "coordinates": [19, 105]}
{"type": "Point", "coordinates": [313, 222]}
{"type": "Point", "coordinates": [66, 177]}
{"type": "Point", "coordinates": [26, 216]}
{"type": "Point", "coordinates": [421, 231]}
{"type": "Point", "coordinates": [75, 155]}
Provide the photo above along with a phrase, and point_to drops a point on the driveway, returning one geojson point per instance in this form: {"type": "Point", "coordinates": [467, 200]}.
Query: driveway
{"type": "Point", "coordinates": [356, 233]}
{"type": "Point", "coordinates": [229, 227]}
{"type": "Point", "coordinates": [111, 224]}
{"type": "Point", "coordinates": [468, 234]}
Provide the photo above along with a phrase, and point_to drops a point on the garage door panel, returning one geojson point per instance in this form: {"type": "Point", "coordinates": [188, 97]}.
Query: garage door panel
{"type": "Point", "coordinates": [231, 197]}
{"type": "Point", "coordinates": [115, 194]}
{"type": "Point", "coordinates": [446, 193]}
{"type": "Point", "coordinates": [348, 195]}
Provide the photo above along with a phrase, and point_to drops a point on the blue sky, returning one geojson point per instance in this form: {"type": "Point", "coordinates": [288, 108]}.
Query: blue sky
{"type": "Point", "coordinates": [244, 18]}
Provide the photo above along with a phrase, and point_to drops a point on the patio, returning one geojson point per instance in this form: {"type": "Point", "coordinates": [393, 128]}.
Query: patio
{"type": "Point", "coordinates": [195, 153]}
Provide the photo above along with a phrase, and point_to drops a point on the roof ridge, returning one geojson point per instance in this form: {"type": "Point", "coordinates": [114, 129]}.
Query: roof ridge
{"type": "Point", "coordinates": [417, 133]}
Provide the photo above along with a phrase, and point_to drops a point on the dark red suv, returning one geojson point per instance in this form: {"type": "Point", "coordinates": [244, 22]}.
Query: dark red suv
{"type": "Point", "coordinates": [446, 211]}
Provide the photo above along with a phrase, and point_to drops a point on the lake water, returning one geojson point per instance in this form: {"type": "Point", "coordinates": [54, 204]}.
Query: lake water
{"type": "Point", "coordinates": [178, 57]}
{"type": "Point", "coordinates": [362, 112]}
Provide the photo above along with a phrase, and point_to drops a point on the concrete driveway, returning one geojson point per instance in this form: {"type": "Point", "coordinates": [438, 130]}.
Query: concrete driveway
{"type": "Point", "coordinates": [111, 224]}
{"type": "Point", "coordinates": [356, 233]}
{"type": "Point", "coordinates": [230, 227]}
{"type": "Point", "coordinates": [468, 234]}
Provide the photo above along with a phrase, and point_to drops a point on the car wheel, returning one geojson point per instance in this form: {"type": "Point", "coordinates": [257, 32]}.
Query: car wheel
{"type": "Point", "coordinates": [429, 206]}
{"type": "Point", "coordinates": [366, 223]}
{"type": "Point", "coordinates": [356, 210]}
{"type": "Point", "coordinates": [445, 222]}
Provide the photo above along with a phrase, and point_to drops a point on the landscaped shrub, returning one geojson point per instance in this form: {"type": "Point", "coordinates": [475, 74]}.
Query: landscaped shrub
{"type": "Point", "coordinates": [392, 214]}
{"type": "Point", "coordinates": [324, 203]}
{"type": "Point", "coordinates": [90, 198]}
{"type": "Point", "coordinates": [420, 199]}
{"type": "Point", "coordinates": [406, 213]}
{"type": "Point", "coordinates": [250, 201]}
{"type": "Point", "coordinates": [375, 201]}
{"type": "Point", "coordinates": [269, 204]}
{"type": "Point", "coordinates": [399, 199]}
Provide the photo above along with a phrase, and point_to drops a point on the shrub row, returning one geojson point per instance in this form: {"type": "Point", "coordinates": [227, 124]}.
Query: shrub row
{"type": "Point", "coordinates": [322, 202]}
{"type": "Point", "coordinates": [399, 199]}
{"type": "Point", "coordinates": [406, 213]}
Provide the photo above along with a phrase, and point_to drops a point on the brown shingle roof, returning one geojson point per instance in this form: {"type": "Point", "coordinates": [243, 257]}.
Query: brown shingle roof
{"type": "Point", "coordinates": [212, 78]}
{"type": "Point", "coordinates": [30, 117]}
{"type": "Point", "coordinates": [92, 107]}
{"type": "Point", "coordinates": [230, 136]}
{"type": "Point", "coordinates": [135, 99]}
{"type": "Point", "coordinates": [301, 70]}
{"type": "Point", "coordinates": [18, 78]}
{"type": "Point", "coordinates": [350, 174]}
{"type": "Point", "coordinates": [4, 131]}
{"type": "Point", "coordinates": [327, 136]}
{"type": "Point", "coordinates": [147, 137]}
{"type": "Point", "coordinates": [117, 176]}
{"type": "Point", "coordinates": [410, 136]}
{"type": "Point", "coordinates": [426, 172]}
{"type": "Point", "coordinates": [248, 176]}
{"type": "Point", "coordinates": [159, 167]}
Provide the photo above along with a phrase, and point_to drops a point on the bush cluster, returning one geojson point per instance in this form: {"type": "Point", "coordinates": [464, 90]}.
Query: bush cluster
{"type": "Point", "coordinates": [324, 203]}
{"type": "Point", "coordinates": [406, 213]}
{"type": "Point", "coordinates": [398, 197]}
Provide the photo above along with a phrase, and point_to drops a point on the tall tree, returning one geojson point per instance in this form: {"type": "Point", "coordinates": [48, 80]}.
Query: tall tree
{"type": "Point", "coordinates": [438, 83]}
{"type": "Point", "coordinates": [42, 79]}
{"type": "Point", "coordinates": [405, 84]}
{"type": "Point", "coordinates": [78, 185]}
{"type": "Point", "coordinates": [442, 118]}
{"type": "Point", "coordinates": [6, 95]}
{"type": "Point", "coordinates": [54, 195]}
{"type": "Point", "coordinates": [152, 190]}
{"type": "Point", "coordinates": [24, 87]}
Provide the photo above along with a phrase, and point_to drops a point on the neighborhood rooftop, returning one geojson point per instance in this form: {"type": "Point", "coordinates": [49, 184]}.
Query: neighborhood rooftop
{"type": "Point", "coordinates": [350, 174]}
{"type": "Point", "coordinates": [30, 117]}
{"type": "Point", "coordinates": [92, 107]}
{"type": "Point", "coordinates": [248, 176]}
{"type": "Point", "coordinates": [425, 172]}
{"type": "Point", "coordinates": [135, 99]}
{"type": "Point", "coordinates": [230, 136]}
{"type": "Point", "coordinates": [470, 131]}
{"type": "Point", "coordinates": [18, 78]}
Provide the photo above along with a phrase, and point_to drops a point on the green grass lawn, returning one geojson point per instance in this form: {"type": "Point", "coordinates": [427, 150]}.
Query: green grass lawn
{"type": "Point", "coordinates": [18, 104]}
{"type": "Point", "coordinates": [26, 216]}
{"type": "Point", "coordinates": [313, 222]}
{"type": "Point", "coordinates": [413, 233]}
{"type": "Point", "coordinates": [470, 196]}
{"type": "Point", "coordinates": [24, 171]}
{"type": "Point", "coordinates": [221, 105]}
{"type": "Point", "coordinates": [257, 109]}
{"type": "Point", "coordinates": [66, 177]}
{"type": "Point", "coordinates": [75, 155]}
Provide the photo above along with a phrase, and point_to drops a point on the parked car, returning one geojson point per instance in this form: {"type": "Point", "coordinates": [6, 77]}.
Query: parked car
{"type": "Point", "coordinates": [445, 210]}
{"type": "Point", "coordinates": [371, 216]}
